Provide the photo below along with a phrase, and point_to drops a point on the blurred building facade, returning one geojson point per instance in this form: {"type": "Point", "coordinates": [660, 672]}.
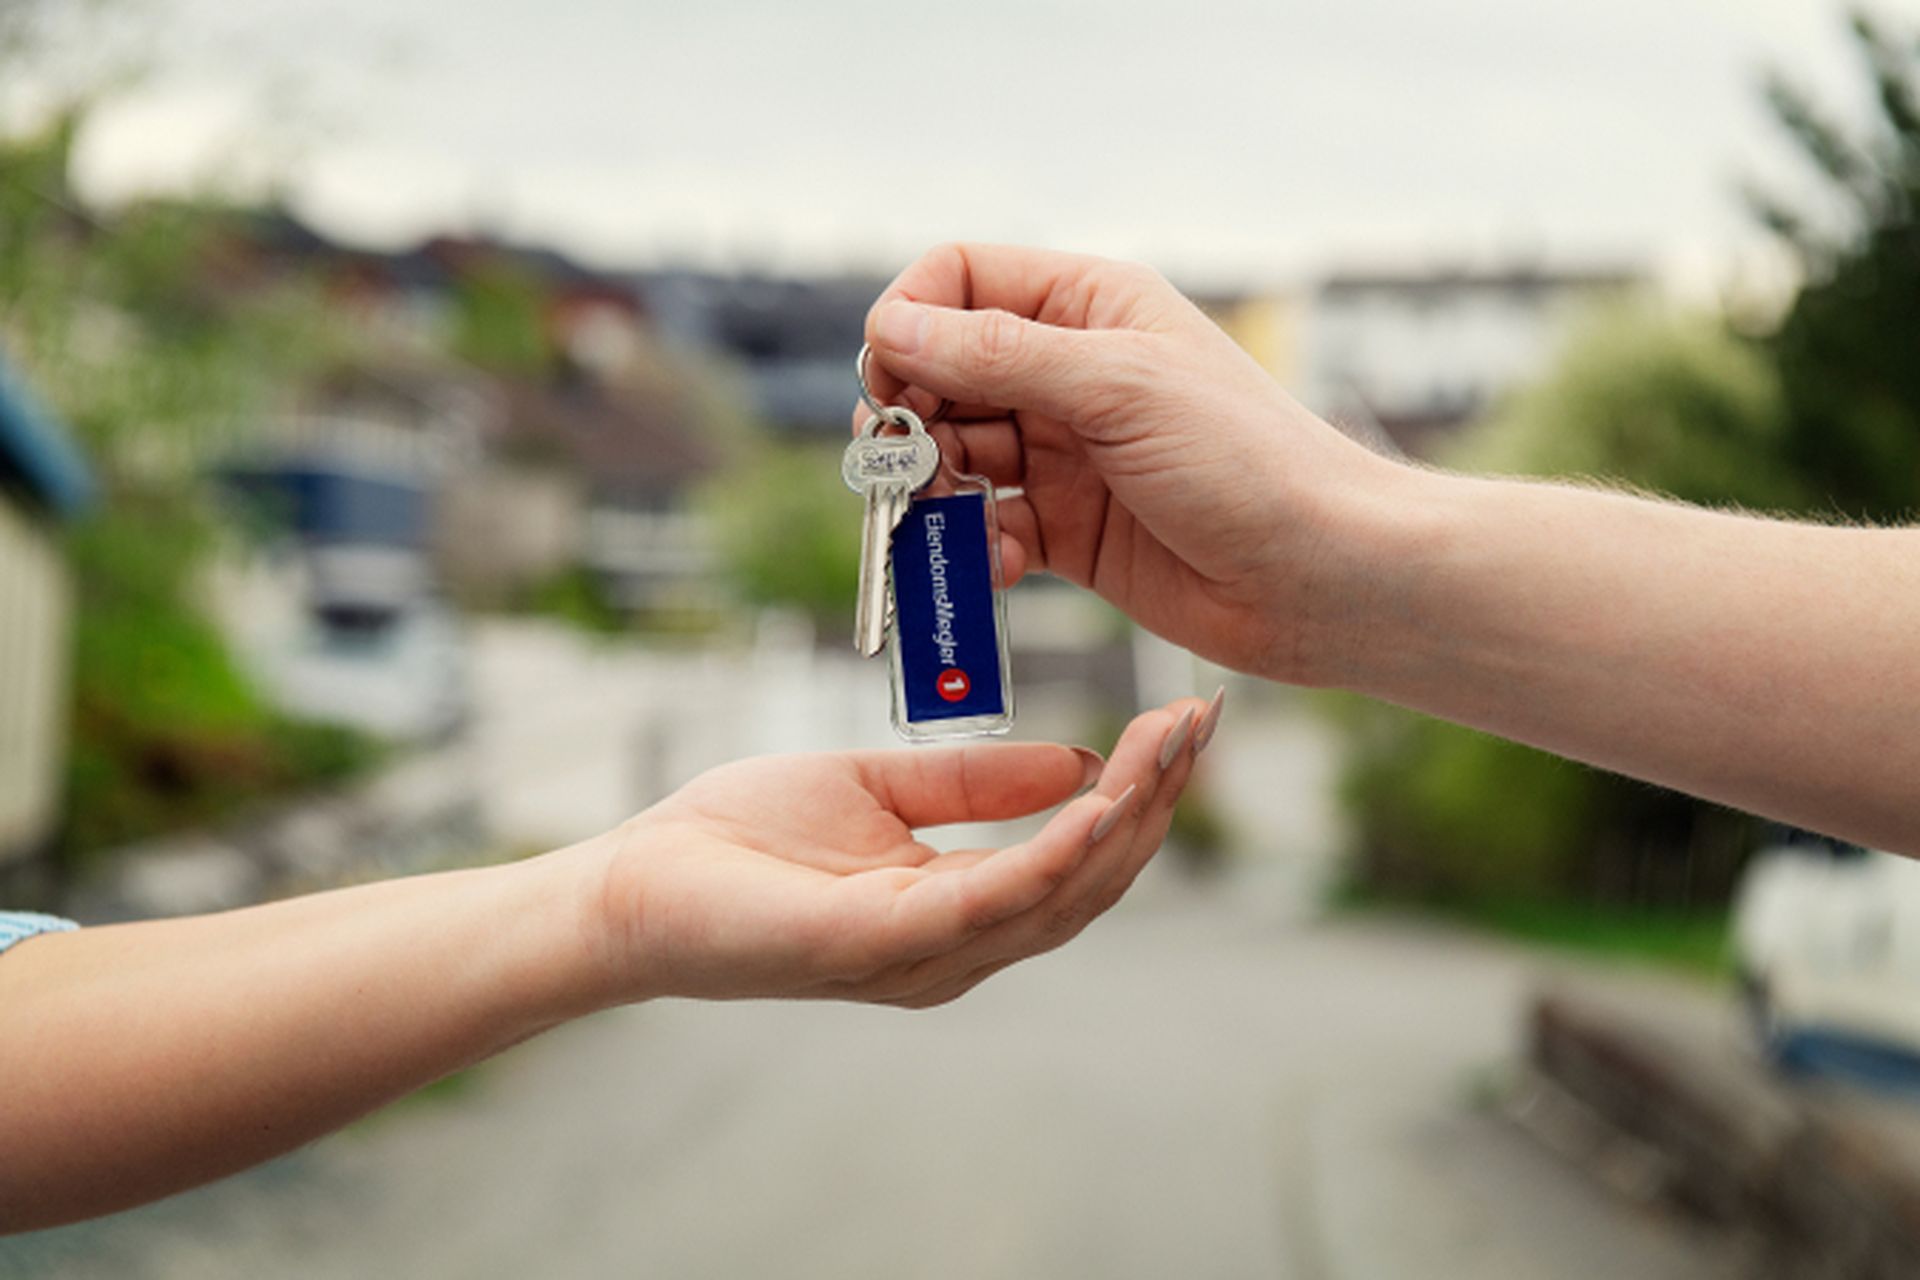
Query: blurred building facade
{"type": "Point", "coordinates": [1414, 355]}
{"type": "Point", "coordinates": [793, 338]}
{"type": "Point", "coordinates": [42, 480]}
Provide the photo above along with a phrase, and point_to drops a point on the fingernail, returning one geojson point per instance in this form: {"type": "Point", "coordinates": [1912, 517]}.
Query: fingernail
{"type": "Point", "coordinates": [1115, 811]}
{"type": "Point", "coordinates": [901, 327]}
{"type": "Point", "coordinates": [1176, 738]}
{"type": "Point", "coordinates": [1091, 767]}
{"type": "Point", "coordinates": [1210, 721]}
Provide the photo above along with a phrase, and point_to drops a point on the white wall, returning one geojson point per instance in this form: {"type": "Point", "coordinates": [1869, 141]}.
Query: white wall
{"type": "Point", "coordinates": [34, 614]}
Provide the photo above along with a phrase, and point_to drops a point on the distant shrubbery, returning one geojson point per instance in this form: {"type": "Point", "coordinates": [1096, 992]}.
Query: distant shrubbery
{"type": "Point", "coordinates": [789, 530]}
{"type": "Point", "coordinates": [167, 733]}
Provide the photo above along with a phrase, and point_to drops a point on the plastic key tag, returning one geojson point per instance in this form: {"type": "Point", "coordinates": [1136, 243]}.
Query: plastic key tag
{"type": "Point", "coordinates": [950, 670]}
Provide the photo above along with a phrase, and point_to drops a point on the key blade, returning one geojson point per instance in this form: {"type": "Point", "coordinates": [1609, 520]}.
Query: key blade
{"type": "Point", "coordinates": [886, 506]}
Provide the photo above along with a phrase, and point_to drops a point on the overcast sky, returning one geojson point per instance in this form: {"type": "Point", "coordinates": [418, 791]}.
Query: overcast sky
{"type": "Point", "coordinates": [1217, 138]}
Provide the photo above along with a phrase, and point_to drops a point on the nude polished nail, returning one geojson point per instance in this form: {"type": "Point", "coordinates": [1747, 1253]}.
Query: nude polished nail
{"type": "Point", "coordinates": [1115, 811]}
{"type": "Point", "coordinates": [1092, 765]}
{"type": "Point", "coordinates": [1176, 737]}
{"type": "Point", "coordinates": [1210, 721]}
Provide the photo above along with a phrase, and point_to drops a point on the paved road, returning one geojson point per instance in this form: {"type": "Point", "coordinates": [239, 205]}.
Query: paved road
{"type": "Point", "coordinates": [1191, 1090]}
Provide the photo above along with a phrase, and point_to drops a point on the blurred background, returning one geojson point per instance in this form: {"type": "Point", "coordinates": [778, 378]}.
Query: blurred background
{"type": "Point", "coordinates": [419, 429]}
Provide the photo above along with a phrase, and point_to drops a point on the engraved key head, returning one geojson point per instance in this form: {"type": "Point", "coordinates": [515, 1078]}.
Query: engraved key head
{"type": "Point", "coordinates": [909, 459]}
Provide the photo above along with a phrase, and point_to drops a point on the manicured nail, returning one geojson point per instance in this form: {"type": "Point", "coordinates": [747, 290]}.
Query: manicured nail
{"type": "Point", "coordinates": [1176, 738]}
{"type": "Point", "coordinates": [901, 327]}
{"type": "Point", "coordinates": [1115, 811]}
{"type": "Point", "coordinates": [1091, 767]}
{"type": "Point", "coordinates": [1210, 721]}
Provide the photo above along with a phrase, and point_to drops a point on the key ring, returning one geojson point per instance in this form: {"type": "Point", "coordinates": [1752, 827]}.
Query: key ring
{"type": "Point", "coordinates": [880, 410]}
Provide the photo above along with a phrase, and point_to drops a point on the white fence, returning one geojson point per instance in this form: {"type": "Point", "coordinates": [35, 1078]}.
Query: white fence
{"type": "Point", "coordinates": [34, 610]}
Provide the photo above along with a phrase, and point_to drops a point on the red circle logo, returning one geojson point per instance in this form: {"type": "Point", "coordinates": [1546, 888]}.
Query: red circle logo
{"type": "Point", "coordinates": [953, 684]}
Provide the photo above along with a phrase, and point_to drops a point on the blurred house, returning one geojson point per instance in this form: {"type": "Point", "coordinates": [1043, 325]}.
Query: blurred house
{"type": "Point", "coordinates": [794, 339]}
{"type": "Point", "coordinates": [1415, 355]}
{"type": "Point", "coordinates": [572, 451]}
{"type": "Point", "coordinates": [336, 604]}
{"type": "Point", "coordinates": [634, 469]}
{"type": "Point", "coordinates": [42, 479]}
{"type": "Point", "coordinates": [1268, 326]}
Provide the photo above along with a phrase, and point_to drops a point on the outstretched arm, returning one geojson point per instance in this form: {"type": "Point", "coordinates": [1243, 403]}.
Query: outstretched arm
{"type": "Point", "coordinates": [1765, 664]}
{"type": "Point", "coordinates": [137, 1060]}
{"type": "Point", "coordinates": [1760, 663]}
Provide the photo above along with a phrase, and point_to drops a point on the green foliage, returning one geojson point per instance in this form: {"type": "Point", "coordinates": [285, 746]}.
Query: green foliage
{"type": "Point", "coordinates": [500, 320]}
{"type": "Point", "coordinates": [1446, 813]}
{"type": "Point", "coordinates": [575, 596]}
{"type": "Point", "coordinates": [1663, 400]}
{"type": "Point", "coordinates": [1845, 349]}
{"type": "Point", "coordinates": [167, 732]}
{"type": "Point", "coordinates": [1695, 942]}
{"type": "Point", "coordinates": [789, 530]}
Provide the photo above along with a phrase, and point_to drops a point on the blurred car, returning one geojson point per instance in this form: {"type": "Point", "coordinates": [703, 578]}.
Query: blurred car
{"type": "Point", "coordinates": [1827, 943]}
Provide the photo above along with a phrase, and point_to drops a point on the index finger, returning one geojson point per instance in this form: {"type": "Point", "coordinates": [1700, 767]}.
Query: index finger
{"type": "Point", "coordinates": [1072, 290]}
{"type": "Point", "coordinates": [1036, 284]}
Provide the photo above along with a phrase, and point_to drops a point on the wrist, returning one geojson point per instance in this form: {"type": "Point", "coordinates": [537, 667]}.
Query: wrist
{"type": "Point", "coordinates": [1360, 599]}
{"type": "Point", "coordinates": [576, 954]}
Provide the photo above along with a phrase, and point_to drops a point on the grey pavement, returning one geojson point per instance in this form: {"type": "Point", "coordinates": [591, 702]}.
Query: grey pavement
{"type": "Point", "coordinates": [1191, 1089]}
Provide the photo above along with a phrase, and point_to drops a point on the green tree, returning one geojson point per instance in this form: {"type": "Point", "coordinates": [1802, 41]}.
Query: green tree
{"type": "Point", "coordinates": [1846, 349]}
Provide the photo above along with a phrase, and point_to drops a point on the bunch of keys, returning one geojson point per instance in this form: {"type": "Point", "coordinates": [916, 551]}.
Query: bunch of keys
{"type": "Point", "coordinates": [929, 578]}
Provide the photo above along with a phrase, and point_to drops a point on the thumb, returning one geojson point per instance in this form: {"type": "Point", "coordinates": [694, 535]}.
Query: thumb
{"type": "Point", "coordinates": [990, 357]}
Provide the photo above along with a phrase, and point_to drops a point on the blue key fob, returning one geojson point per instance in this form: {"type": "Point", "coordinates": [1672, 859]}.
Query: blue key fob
{"type": "Point", "coordinates": [950, 672]}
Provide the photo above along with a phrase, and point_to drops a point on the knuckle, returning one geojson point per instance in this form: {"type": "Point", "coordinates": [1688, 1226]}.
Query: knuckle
{"type": "Point", "coordinates": [998, 339]}
{"type": "Point", "coordinates": [1131, 371]}
{"type": "Point", "coordinates": [1139, 277]}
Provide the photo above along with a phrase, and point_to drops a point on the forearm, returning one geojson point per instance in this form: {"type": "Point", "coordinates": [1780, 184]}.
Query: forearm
{"type": "Point", "coordinates": [136, 1060]}
{"type": "Point", "coordinates": [1764, 664]}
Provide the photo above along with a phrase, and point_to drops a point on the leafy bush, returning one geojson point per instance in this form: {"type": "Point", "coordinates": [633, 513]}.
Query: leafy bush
{"type": "Point", "coordinates": [1661, 399]}
{"type": "Point", "coordinates": [789, 530]}
{"type": "Point", "coordinates": [166, 731]}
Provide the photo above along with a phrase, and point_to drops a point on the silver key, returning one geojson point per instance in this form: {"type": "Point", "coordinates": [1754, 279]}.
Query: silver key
{"type": "Point", "coordinates": [887, 470]}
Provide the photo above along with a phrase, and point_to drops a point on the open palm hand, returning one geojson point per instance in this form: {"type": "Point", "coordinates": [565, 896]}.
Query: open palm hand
{"type": "Point", "coordinates": [802, 875]}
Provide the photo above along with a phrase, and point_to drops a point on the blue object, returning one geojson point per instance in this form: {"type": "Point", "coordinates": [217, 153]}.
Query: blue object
{"type": "Point", "coordinates": [1839, 1054]}
{"type": "Point", "coordinates": [37, 452]}
{"type": "Point", "coordinates": [330, 504]}
{"type": "Point", "coordinates": [945, 621]}
{"type": "Point", "coordinates": [18, 926]}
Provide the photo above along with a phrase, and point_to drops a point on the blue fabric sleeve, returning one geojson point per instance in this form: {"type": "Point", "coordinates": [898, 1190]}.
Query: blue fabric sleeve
{"type": "Point", "coordinates": [18, 926]}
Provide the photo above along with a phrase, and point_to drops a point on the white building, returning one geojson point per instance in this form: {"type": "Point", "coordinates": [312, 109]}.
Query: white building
{"type": "Point", "coordinates": [1414, 354]}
